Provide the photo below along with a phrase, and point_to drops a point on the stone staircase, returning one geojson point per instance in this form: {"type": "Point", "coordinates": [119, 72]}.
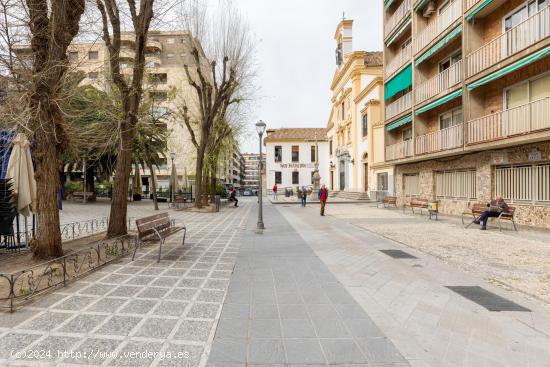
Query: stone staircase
{"type": "Point", "coordinates": [349, 195]}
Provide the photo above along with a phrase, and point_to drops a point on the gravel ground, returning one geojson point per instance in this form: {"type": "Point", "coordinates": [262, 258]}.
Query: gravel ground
{"type": "Point", "coordinates": [520, 261]}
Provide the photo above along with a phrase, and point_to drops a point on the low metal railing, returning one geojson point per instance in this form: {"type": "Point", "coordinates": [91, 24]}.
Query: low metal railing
{"type": "Point", "coordinates": [438, 25]}
{"type": "Point", "coordinates": [400, 150]}
{"type": "Point", "coordinates": [398, 106]}
{"type": "Point", "coordinates": [439, 83]}
{"type": "Point", "coordinates": [19, 287]}
{"type": "Point", "coordinates": [393, 21]}
{"type": "Point", "coordinates": [444, 139]}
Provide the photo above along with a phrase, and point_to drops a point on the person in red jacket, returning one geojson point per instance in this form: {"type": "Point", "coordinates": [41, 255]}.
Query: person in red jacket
{"type": "Point", "coordinates": [275, 192]}
{"type": "Point", "coordinates": [323, 196]}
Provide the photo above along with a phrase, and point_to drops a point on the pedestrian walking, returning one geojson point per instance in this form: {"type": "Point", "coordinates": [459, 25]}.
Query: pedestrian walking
{"type": "Point", "coordinates": [304, 196]}
{"type": "Point", "coordinates": [275, 192]}
{"type": "Point", "coordinates": [233, 197]}
{"type": "Point", "coordinates": [323, 196]}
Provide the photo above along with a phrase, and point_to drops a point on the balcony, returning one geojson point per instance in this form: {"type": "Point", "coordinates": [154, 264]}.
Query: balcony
{"type": "Point", "coordinates": [444, 139]}
{"type": "Point", "coordinates": [401, 58]}
{"type": "Point", "coordinates": [399, 106]}
{"type": "Point", "coordinates": [395, 19]}
{"type": "Point", "coordinates": [468, 4]}
{"type": "Point", "coordinates": [442, 82]}
{"type": "Point", "coordinates": [528, 118]}
{"type": "Point", "coordinates": [153, 45]}
{"type": "Point", "coordinates": [400, 150]}
{"type": "Point", "coordinates": [443, 21]}
{"type": "Point", "coordinates": [525, 34]}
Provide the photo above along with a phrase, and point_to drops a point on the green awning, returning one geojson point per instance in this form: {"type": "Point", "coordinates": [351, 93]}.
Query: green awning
{"type": "Point", "coordinates": [477, 9]}
{"type": "Point", "coordinates": [420, 5]}
{"type": "Point", "coordinates": [404, 25]}
{"type": "Point", "coordinates": [455, 32]}
{"type": "Point", "coordinates": [439, 102]}
{"type": "Point", "coordinates": [387, 3]}
{"type": "Point", "coordinates": [396, 124]}
{"type": "Point", "coordinates": [400, 82]}
{"type": "Point", "coordinates": [517, 65]}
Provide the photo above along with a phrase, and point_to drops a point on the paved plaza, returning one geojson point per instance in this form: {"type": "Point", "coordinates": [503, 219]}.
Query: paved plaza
{"type": "Point", "coordinates": [307, 291]}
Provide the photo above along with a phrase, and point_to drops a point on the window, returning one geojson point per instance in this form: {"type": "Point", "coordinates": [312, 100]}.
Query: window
{"type": "Point", "coordinates": [407, 134]}
{"type": "Point", "coordinates": [158, 96]}
{"type": "Point", "coordinates": [460, 184]}
{"type": "Point", "coordinates": [449, 61]}
{"type": "Point", "coordinates": [529, 91]}
{"type": "Point", "coordinates": [411, 184]}
{"type": "Point", "coordinates": [343, 108]}
{"type": "Point", "coordinates": [451, 118]}
{"type": "Point", "coordinates": [73, 56]}
{"type": "Point", "coordinates": [523, 183]}
{"type": "Point", "coordinates": [278, 153]}
{"type": "Point", "coordinates": [93, 75]}
{"type": "Point", "coordinates": [278, 177]}
{"type": "Point", "coordinates": [295, 153]}
{"type": "Point", "coordinates": [93, 55]}
{"type": "Point", "coordinates": [313, 155]}
{"type": "Point", "coordinates": [295, 178]}
{"type": "Point", "coordinates": [382, 181]}
{"type": "Point", "coordinates": [330, 147]}
{"type": "Point", "coordinates": [158, 78]}
{"type": "Point", "coordinates": [365, 124]}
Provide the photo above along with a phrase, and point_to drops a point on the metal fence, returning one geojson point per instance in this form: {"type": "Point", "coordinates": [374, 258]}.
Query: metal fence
{"type": "Point", "coordinates": [20, 287]}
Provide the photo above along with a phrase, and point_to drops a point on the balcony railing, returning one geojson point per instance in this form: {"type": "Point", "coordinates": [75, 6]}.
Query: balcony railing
{"type": "Point", "coordinates": [398, 106]}
{"type": "Point", "coordinates": [444, 139]}
{"type": "Point", "coordinates": [439, 83]}
{"type": "Point", "coordinates": [524, 119]}
{"type": "Point", "coordinates": [402, 57]}
{"type": "Point", "coordinates": [400, 150]}
{"type": "Point", "coordinates": [525, 34]}
{"type": "Point", "coordinates": [468, 4]}
{"type": "Point", "coordinates": [396, 18]}
{"type": "Point", "coordinates": [438, 25]}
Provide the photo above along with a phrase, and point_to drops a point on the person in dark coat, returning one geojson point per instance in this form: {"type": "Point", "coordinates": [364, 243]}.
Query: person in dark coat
{"type": "Point", "coordinates": [233, 197]}
{"type": "Point", "coordinates": [323, 196]}
{"type": "Point", "coordinates": [494, 209]}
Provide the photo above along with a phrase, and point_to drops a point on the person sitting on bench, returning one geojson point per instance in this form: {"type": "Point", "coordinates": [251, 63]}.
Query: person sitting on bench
{"type": "Point", "coordinates": [493, 210]}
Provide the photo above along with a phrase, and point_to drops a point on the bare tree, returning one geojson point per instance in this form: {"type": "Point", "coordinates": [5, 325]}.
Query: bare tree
{"type": "Point", "coordinates": [219, 74]}
{"type": "Point", "coordinates": [53, 25]}
{"type": "Point", "coordinates": [130, 94]}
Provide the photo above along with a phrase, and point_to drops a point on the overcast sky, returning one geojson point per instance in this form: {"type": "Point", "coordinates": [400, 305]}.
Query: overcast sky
{"type": "Point", "coordinates": [296, 56]}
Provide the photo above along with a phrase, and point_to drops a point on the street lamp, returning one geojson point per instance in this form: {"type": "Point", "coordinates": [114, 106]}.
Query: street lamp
{"type": "Point", "coordinates": [260, 128]}
{"type": "Point", "coordinates": [172, 157]}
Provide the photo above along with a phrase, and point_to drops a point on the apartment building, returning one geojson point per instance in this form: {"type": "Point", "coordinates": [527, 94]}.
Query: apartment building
{"type": "Point", "coordinates": [232, 170]}
{"type": "Point", "coordinates": [165, 85]}
{"type": "Point", "coordinates": [252, 170]}
{"type": "Point", "coordinates": [467, 102]}
{"type": "Point", "coordinates": [355, 124]}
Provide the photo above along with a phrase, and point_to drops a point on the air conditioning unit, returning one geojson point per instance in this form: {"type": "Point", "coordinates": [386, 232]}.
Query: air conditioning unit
{"type": "Point", "coordinates": [430, 9]}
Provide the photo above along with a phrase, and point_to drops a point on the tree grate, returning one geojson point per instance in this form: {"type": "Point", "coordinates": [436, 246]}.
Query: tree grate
{"type": "Point", "coordinates": [398, 254]}
{"type": "Point", "coordinates": [489, 300]}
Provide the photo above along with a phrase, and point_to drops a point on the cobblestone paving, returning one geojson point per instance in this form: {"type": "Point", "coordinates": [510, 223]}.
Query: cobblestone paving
{"type": "Point", "coordinates": [140, 306]}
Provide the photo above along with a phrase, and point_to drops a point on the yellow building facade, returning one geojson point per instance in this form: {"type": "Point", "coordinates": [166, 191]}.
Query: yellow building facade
{"type": "Point", "coordinates": [356, 115]}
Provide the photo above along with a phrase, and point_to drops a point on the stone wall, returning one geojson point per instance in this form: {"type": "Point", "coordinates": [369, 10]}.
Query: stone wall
{"type": "Point", "coordinates": [537, 215]}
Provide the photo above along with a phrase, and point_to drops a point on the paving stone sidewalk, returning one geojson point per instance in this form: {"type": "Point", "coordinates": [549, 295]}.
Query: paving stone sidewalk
{"type": "Point", "coordinates": [140, 306]}
{"type": "Point", "coordinates": [285, 308]}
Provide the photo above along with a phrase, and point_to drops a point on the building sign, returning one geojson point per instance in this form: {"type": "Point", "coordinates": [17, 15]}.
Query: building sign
{"type": "Point", "coordinates": [297, 165]}
{"type": "Point", "coordinates": [500, 158]}
{"type": "Point", "coordinates": [535, 155]}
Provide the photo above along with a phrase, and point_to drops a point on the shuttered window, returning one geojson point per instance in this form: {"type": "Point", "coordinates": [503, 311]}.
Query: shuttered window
{"type": "Point", "coordinates": [411, 185]}
{"type": "Point", "coordinates": [459, 184]}
{"type": "Point", "coordinates": [523, 183]}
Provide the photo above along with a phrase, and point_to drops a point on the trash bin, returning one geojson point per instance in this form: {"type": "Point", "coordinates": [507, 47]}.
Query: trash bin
{"type": "Point", "coordinates": [218, 200]}
{"type": "Point", "coordinates": [433, 208]}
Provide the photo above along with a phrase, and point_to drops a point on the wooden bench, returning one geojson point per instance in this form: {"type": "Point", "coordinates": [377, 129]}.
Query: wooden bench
{"type": "Point", "coordinates": [79, 195]}
{"type": "Point", "coordinates": [158, 226]}
{"type": "Point", "coordinates": [479, 208]}
{"type": "Point", "coordinates": [416, 203]}
{"type": "Point", "coordinates": [389, 200]}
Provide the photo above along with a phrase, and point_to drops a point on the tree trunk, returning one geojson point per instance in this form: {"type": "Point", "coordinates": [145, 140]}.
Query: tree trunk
{"type": "Point", "coordinates": [119, 208]}
{"type": "Point", "coordinates": [212, 187]}
{"type": "Point", "coordinates": [47, 242]}
{"type": "Point", "coordinates": [153, 186]}
{"type": "Point", "coordinates": [90, 179]}
{"type": "Point", "coordinates": [198, 176]}
{"type": "Point", "coordinates": [206, 193]}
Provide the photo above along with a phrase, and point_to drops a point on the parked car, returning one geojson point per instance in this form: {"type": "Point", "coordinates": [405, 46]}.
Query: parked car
{"type": "Point", "coordinates": [247, 192]}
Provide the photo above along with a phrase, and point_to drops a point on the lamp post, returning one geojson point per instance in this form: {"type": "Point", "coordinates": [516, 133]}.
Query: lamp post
{"type": "Point", "coordinates": [173, 184]}
{"type": "Point", "coordinates": [260, 128]}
